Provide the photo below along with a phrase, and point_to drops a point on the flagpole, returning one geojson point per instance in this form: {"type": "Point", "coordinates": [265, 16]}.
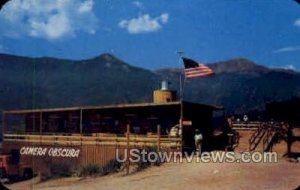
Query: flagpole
{"type": "Point", "coordinates": [181, 90]}
{"type": "Point", "coordinates": [179, 53]}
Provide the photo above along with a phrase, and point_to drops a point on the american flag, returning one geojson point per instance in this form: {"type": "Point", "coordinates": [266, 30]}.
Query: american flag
{"type": "Point", "coordinates": [194, 69]}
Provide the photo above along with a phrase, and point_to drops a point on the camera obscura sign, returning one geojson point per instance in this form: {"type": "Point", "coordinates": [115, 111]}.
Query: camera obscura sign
{"type": "Point", "coordinates": [50, 151]}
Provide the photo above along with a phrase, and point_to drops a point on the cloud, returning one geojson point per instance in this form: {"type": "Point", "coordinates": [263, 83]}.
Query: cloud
{"type": "Point", "coordinates": [137, 4]}
{"type": "Point", "coordinates": [290, 67]}
{"type": "Point", "coordinates": [287, 49]}
{"type": "Point", "coordinates": [47, 19]}
{"type": "Point", "coordinates": [86, 6]}
{"type": "Point", "coordinates": [297, 22]}
{"type": "Point", "coordinates": [144, 23]}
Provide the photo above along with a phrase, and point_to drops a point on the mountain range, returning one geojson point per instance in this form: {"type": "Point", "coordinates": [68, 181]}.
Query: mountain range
{"type": "Point", "coordinates": [239, 84]}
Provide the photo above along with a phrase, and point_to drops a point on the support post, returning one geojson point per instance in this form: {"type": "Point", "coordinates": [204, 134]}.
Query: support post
{"type": "Point", "coordinates": [3, 124]}
{"type": "Point", "coordinates": [158, 138]}
{"type": "Point", "coordinates": [41, 122]}
{"type": "Point", "coordinates": [181, 126]}
{"type": "Point", "coordinates": [127, 149]}
{"type": "Point", "coordinates": [289, 139]}
{"type": "Point", "coordinates": [41, 126]}
{"type": "Point", "coordinates": [80, 126]}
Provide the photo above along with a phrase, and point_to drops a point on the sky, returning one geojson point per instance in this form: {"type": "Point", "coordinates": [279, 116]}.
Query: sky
{"type": "Point", "coordinates": [149, 34]}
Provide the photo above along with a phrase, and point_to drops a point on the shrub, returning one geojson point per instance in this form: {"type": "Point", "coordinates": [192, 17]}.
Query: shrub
{"type": "Point", "coordinates": [143, 165]}
{"type": "Point", "coordinates": [57, 170]}
{"type": "Point", "coordinates": [111, 167]}
{"type": "Point", "coordinates": [94, 169]}
{"type": "Point", "coordinates": [88, 170]}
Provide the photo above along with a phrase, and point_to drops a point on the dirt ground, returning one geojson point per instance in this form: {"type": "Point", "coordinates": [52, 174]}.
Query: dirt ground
{"type": "Point", "coordinates": [281, 175]}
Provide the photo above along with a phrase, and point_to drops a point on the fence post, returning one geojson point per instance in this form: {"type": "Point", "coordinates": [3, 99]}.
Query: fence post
{"type": "Point", "coordinates": [127, 149]}
{"type": "Point", "coordinates": [158, 138]}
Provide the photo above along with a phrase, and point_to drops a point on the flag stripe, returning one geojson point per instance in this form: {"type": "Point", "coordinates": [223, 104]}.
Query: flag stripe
{"type": "Point", "coordinates": [194, 69]}
{"type": "Point", "coordinates": [198, 75]}
{"type": "Point", "coordinates": [198, 71]}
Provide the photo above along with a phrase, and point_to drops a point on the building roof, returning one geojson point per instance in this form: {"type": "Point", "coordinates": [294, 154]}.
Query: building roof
{"type": "Point", "coordinates": [113, 106]}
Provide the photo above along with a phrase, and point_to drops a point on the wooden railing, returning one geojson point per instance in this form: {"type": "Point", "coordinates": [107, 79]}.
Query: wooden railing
{"type": "Point", "coordinates": [267, 141]}
{"type": "Point", "coordinates": [246, 125]}
{"type": "Point", "coordinates": [268, 133]}
{"type": "Point", "coordinates": [256, 138]}
{"type": "Point", "coordinates": [95, 139]}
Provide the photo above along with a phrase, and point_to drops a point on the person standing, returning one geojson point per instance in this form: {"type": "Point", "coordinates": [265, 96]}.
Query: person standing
{"type": "Point", "coordinates": [198, 141]}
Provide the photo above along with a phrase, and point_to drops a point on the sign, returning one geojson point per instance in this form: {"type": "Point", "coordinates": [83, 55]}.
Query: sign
{"type": "Point", "coordinates": [50, 152]}
{"type": "Point", "coordinates": [187, 123]}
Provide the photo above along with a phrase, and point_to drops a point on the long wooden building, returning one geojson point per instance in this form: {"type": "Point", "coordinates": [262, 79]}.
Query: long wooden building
{"type": "Point", "coordinates": [91, 134]}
